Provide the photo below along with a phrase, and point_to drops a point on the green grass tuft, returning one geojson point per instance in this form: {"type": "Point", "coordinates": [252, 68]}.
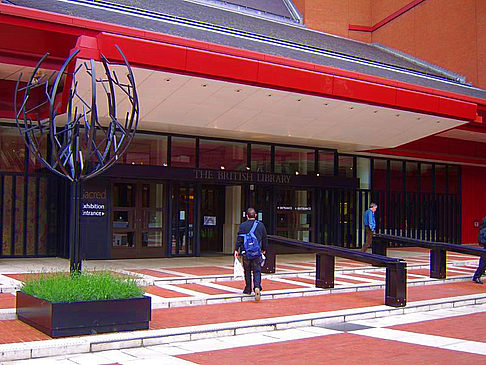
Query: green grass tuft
{"type": "Point", "coordinates": [86, 286]}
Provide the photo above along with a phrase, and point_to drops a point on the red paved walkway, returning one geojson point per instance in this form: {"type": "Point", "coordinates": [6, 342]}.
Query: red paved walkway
{"type": "Point", "coordinates": [342, 348]}
{"type": "Point", "coordinates": [471, 327]}
{"type": "Point", "coordinates": [230, 312]}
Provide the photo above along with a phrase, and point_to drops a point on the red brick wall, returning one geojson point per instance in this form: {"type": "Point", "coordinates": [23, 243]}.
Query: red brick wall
{"type": "Point", "coordinates": [449, 33]}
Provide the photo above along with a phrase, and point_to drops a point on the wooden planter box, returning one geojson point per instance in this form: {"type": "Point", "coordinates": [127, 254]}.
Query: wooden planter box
{"type": "Point", "coordinates": [84, 318]}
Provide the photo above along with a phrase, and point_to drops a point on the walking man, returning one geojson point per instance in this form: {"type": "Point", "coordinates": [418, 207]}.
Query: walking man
{"type": "Point", "coordinates": [251, 242]}
{"type": "Point", "coordinates": [482, 260]}
{"type": "Point", "coordinates": [370, 225]}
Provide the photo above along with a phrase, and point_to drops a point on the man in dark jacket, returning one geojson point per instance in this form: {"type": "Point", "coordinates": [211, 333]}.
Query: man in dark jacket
{"type": "Point", "coordinates": [482, 260]}
{"type": "Point", "coordinates": [252, 265]}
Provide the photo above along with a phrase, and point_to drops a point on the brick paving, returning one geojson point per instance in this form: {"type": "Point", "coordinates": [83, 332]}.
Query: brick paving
{"type": "Point", "coordinates": [470, 327]}
{"type": "Point", "coordinates": [14, 331]}
{"type": "Point", "coordinates": [345, 348]}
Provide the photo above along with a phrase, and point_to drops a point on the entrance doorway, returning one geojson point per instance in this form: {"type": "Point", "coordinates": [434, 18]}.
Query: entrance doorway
{"type": "Point", "coordinates": [182, 217]}
{"type": "Point", "coordinates": [295, 217]}
{"type": "Point", "coordinates": [212, 219]}
{"type": "Point", "coordinates": [138, 217]}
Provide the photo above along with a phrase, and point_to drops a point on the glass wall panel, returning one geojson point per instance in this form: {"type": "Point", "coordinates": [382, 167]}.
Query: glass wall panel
{"type": "Point", "coordinates": [396, 175]}
{"type": "Point", "coordinates": [12, 150]}
{"type": "Point", "coordinates": [31, 215]}
{"type": "Point", "coordinates": [261, 158]}
{"type": "Point", "coordinates": [345, 166]}
{"type": "Point", "coordinates": [44, 216]}
{"type": "Point", "coordinates": [18, 238]}
{"type": "Point", "coordinates": [183, 153]}
{"type": "Point", "coordinates": [7, 183]}
{"type": "Point", "coordinates": [412, 176]}
{"type": "Point", "coordinates": [379, 174]}
{"type": "Point", "coordinates": [440, 179]}
{"type": "Point", "coordinates": [147, 150]}
{"type": "Point", "coordinates": [453, 174]}
{"type": "Point", "coordinates": [425, 177]}
{"type": "Point", "coordinates": [326, 163]}
{"type": "Point", "coordinates": [215, 154]}
{"type": "Point", "coordinates": [289, 160]}
{"type": "Point", "coordinates": [363, 172]}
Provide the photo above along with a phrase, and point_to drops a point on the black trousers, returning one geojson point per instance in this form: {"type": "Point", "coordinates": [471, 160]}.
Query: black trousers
{"type": "Point", "coordinates": [252, 266]}
{"type": "Point", "coordinates": [481, 268]}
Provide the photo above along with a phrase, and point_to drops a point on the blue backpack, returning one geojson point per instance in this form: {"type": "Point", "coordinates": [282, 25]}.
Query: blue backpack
{"type": "Point", "coordinates": [482, 237]}
{"type": "Point", "coordinates": [250, 243]}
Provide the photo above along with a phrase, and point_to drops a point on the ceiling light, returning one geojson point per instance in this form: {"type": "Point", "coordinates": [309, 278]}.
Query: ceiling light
{"type": "Point", "coordinates": [222, 167]}
{"type": "Point", "coordinates": [318, 174]}
{"type": "Point", "coordinates": [248, 167]}
{"type": "Point", "coordinates": [296, 172]}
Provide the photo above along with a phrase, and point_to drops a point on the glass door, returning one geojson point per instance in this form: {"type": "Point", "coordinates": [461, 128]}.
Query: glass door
{"type": "Point", "coordinates": [212, 218]}
{"type": "Point", "coordinates": [124, 218]}
{"type": "Point", "coordinates": [152, 215]}
{"type": "Point", "coordinates": [138, 220]}
{"type": "Point", "coordinates": [182, 217]}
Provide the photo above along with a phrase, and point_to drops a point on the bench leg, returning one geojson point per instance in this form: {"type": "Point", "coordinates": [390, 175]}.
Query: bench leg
{"type": "Point", "coordinates": [438, 263]}
{"type": "Point", "coordinates": [270, 263]}
{"type": "Point", "coordinates": [324, 271]}
{"type": "Point", "coordinates": [378, 248]}
{"type": "Point", "coordinates": [396, 286]}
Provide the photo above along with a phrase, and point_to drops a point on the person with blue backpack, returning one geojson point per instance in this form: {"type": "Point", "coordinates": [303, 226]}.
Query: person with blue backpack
{"type": "Point", "coordinates": [251, 243]}
{"type": "Point", "coordinates": [482, 260]}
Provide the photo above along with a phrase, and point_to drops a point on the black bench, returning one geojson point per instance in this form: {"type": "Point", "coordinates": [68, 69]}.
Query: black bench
{"type": "Point", "coordinates": [438, 251]}
{"type": "Point", "coordinates": [396, 269]}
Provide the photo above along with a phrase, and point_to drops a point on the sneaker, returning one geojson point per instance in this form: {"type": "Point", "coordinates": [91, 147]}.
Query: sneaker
{"type": "Point", "coordinates": [257, 294]}
{"type": "Point", "coordinates": [477, 280]}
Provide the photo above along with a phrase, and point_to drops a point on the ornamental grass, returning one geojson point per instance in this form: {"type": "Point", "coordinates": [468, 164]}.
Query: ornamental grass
{"type": "Point", "coordinates": [82, 287]}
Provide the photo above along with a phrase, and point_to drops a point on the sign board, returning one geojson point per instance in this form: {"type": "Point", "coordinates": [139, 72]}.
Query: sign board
{"type": "Point", "coordinates": [209, 220]}
{"type": "Point", "coordinates": [93, 203]}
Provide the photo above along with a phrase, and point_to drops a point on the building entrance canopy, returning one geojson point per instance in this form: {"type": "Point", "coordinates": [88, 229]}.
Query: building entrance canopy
{"type": "Point", "coordinates": [179, 103]}
{"type": "Point", "coordinates": [193, 87]}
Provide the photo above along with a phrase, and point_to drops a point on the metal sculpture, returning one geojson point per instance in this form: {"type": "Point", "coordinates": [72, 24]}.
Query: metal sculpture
{"type": "Point", "coordinates": [80, 145]}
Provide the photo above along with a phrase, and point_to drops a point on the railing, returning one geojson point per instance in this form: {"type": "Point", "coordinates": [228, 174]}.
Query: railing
{"type": "Point", "coordinates": [396, 269]}
{"type": "Point", "coordinates": [438, 251]}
